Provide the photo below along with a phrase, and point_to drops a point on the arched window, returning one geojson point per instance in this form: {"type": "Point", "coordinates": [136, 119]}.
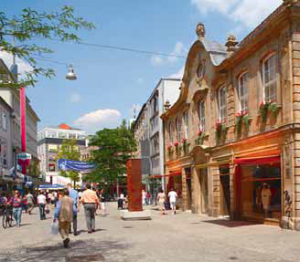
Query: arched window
{"type": "Point", "coordinates": [186, 124]}
{"type": "Point", "coordinates": [201, 113]}
{"type": "Point", "coordinates": [222, 104]}
{"type": "Point", "coordinates": [178, 129]}
{"type": "Point", "coordinates": [243, 92]}
{"type": "Point", "coordinates": [171, 133]}
{"type": "Point", "coordinates": [269, 79]}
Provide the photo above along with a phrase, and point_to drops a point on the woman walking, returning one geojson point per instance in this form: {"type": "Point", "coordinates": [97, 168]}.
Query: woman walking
{"type": "Point", "coordinates": [16, 203]}
{"type": "Point", "coordinates": [161, 198]}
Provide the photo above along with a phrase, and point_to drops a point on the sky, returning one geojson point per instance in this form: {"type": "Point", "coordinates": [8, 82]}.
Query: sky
{"type": "Point", "coordinates": [111, 82]}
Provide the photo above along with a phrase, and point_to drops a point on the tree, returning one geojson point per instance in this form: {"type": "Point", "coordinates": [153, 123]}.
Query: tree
{"type": "Point", "coordinates": [115, 147]}
{"type": "Point", "coordinates": [69, 150]}
{"type": "Point", "coordinates": [32, 25]}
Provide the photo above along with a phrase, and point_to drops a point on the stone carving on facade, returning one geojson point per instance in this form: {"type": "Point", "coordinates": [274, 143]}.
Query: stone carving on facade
{"type": "Point", "coordinates": [231, 44]}
{"type": "Point", "coordinates": [290, 2]}
{"type": "Point", "coordinates": [200, 31]}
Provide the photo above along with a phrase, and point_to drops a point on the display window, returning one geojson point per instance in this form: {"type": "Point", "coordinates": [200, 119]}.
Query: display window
{"type": "Point", "coordinates": [261, 192]}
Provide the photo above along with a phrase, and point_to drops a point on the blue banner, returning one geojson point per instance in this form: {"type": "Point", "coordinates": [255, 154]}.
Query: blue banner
{"type": "Point", "coordinates": [71, 165]}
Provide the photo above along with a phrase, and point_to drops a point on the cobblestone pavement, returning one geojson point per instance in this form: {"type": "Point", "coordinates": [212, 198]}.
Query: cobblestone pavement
{"type": "Point", "coordinates": [181, 237]}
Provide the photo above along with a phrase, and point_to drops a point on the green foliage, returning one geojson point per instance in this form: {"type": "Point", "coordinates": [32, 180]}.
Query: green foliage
{"type": "Point", "coordinates": [69, 150]}
{"type": "Point", "coordinates": [34, 168]}
{"type": "Point", "coordinates": [115, 147]}
{"type": "Point", "coordinates": [199, 140]}
{"type": "Point", "coordinates": [221, 131]}
{"type": "Point", "coordinates": [266, 107]}
{"type": "Point", "coordinates": [32, 25]}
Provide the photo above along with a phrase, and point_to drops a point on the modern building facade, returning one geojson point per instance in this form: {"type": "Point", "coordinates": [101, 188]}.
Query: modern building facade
{"type": "Point", "coordinates": [237, 150]}
{"type": "Point", "coordinates": [148, 129]}
{"type": "Point", "coordinates": [49, 141]}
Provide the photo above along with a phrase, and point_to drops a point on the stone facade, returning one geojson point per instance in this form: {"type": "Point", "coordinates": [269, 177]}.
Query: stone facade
{"type": "Point", "coordinates": [242, 136]}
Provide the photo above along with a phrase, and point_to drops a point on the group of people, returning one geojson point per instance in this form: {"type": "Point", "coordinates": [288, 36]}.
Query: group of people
{"type": "Point", "coordinates": [162, 200]}
{"type": "Point", "coordinates": [68, 206]}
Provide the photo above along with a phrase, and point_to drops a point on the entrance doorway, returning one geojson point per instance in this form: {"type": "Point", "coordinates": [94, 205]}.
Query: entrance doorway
{"type": "Point", "coordinates": [224, 191]}
{"type": "Point", "coordinates": [189, 188]}
{"type": "Point", "coordinates": [203, 191]}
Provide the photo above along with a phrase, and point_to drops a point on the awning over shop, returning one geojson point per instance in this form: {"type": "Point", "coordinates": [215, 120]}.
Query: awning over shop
{"type": "Point", "coordinates": [258, 160]}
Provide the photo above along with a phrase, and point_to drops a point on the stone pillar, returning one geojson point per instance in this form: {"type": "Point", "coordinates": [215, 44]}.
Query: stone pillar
{"type": "Point", "coordinates": [184, 190]}
{"type": "Point", "coordinates": [215, 209]}
{"type": "Point", "coordinates": [196, 204]}
{"type": "Point", "coordinates": [232, 192]}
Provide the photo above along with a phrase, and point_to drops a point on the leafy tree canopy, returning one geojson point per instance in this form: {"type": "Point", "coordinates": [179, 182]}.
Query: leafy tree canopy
{"type": "Point", "coordinates": [115, 147]}
{"type": "Point", "coordinates": [69, 150]}
{"type": "Point", "coordinates": [30, 25]}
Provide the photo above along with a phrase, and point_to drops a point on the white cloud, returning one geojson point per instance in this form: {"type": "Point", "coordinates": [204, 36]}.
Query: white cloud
{"type": "Point", "coordinates": [75, 98]}
{"type": "Point", "coordinates": [156, 60]}
{"type": "Point", "coordinates": [248, 13]}
{"type": "Point", "coordinates": [178, 50]}
{"type": "Point", "coordinates": [178, 74]}
{"type": "Point", "coordinates": [97, 120]}
{"type": "Point", "coordinates": [23, 66]}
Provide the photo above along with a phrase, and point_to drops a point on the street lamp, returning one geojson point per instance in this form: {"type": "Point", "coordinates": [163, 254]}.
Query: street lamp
{"type": "Point", "coordinates": [71, 75]}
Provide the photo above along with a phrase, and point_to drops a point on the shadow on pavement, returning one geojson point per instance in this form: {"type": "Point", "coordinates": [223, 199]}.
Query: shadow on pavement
{"type": "Point", "coordinates": [109, 250]}
{"type": "Point", "coordinates": [229, 223]}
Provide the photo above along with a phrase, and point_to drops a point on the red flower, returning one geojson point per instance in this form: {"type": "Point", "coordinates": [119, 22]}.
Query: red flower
{"type": "Point", "coordinates": [169, 147]}
{"type": "Point", "coordinates": [238, 114]}
{"type": "Point", "coordinates": [176, 143]}
{"type": "Point", "coordinates": [244, 113]}
{"type": "Point", "coordinates": [200, 132]}
{"type": "Point", "coordinates": [262, 104]}
{"type": "Point", "coordinates": [183, 140]}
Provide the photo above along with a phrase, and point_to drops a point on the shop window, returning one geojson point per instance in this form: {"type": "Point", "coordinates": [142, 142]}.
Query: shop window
{"type": "Point", "coordinates": [72, 136]}
{"type": "Point", "coordinates": [261, 192]}
{"type": "Point", "coordinates": [202, 115]}
{"type": "Point", "coordinates": [269, 79]}
{"type": "Point", "coordinates": [243, 92]}
{"type": "Point", "coordinates": [222, 104]}
{"type": "Point", "coordinates": [186, 124]}
{"type": "Point", "coordinates": [51, 167]}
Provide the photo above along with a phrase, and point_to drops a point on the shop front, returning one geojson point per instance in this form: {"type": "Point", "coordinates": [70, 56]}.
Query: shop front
{"type": "Point", "coordinates": [258, 189]}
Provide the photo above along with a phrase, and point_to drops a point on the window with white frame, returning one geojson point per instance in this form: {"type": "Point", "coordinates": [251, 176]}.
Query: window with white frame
{"type": "Point", "coordinates": [171, 132]}
{"type": "Point", "coordinates": [202, 115]}
{"type": "Point", "coordinates": [222, 104]}
{"type": "Point", "coordinates": [4, 121]}
{"type": "Point", "coordinates": [178, 129]}
{"type": "Point", "coordinates": [243, 92]}
{"type": "Point", "coordinates": [186, 124]}
{"type": "Point", "coordinates": [269, 79]}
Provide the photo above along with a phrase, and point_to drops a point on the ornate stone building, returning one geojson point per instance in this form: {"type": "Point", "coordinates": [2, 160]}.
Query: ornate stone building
{"type": "Point", "coordinates": [233, 137]}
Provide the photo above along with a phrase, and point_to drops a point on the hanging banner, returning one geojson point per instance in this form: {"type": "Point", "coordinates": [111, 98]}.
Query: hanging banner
{"type": "Point", "coordinates": [71, 165]}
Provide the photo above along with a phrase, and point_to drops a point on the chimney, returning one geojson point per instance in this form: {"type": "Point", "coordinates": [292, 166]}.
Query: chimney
{"type": "Point", "coordinates": [200, 31]}
{"type": "Point", "coordinates": [231, 44]}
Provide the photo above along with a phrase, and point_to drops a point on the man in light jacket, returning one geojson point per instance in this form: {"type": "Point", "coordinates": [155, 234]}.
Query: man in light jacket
{"type": "Point", "coordinates": [64, 212]}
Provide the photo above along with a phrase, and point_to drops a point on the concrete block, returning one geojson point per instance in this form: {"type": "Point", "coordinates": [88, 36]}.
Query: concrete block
{"type": "Point", "coordinates": [137, 215]}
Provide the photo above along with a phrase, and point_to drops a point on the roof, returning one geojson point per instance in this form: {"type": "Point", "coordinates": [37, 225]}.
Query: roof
{"type": "Point", "coordinates": [216, 51]}
{"type": "Point", "coordinates": [3, 102]}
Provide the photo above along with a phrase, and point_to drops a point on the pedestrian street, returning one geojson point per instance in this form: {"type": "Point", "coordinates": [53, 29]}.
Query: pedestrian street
{"type": "Point", "coordinates": [180, 237]}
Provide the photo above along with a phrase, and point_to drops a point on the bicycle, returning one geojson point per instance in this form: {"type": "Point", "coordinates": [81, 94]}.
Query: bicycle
{"type": "Point", "coordinates": [7, 217]}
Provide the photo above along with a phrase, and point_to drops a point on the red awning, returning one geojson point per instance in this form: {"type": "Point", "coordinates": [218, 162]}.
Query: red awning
{"type": "Point", "coordinates": [258, 160]}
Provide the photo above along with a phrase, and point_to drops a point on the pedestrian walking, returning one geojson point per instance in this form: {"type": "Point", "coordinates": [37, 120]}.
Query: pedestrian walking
{"type": "Point", "coordinates": [161, 198]}
{"type": "Point", "coordinates": [90, 201]}
{"type": "Point", "coordinates": [16, 202]}
{"type": "Point", "coordinates": [144, 196]}
{"type": "Point", "coordinates": [121, 201]}
{"type": "Point", "coordinates": [173, 198]}
{"type": "Point", "coordinates": [30, 202]}
{"type": "Point", "coordinates": [64, 213]}
{"type": "Point", "coordinates": [102, 202]}
{"type": "Point", "coordinates": [41, 200]}
{"type": "Point", "coordinates": [74, 195]}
